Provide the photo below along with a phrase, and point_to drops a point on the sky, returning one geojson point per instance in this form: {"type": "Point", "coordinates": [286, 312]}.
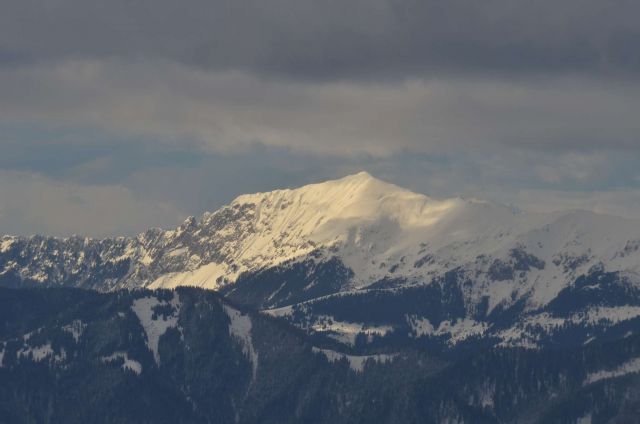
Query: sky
{"type": "Point", "coordinates": [128, 114]}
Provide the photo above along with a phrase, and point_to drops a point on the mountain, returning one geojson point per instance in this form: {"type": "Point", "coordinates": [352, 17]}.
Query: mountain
{"type": "Point", "coordinates": [189, 356]}
{"type": "Point", "coordinates": [363, 263]}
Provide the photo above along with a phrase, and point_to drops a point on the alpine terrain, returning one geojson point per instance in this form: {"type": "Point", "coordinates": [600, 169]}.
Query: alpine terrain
{"type": "Point", "coordinates": [352, 300]}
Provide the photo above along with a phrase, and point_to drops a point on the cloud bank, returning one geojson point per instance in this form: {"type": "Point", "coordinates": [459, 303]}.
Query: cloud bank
{"type": "Point", "coordinates": [171, 109]}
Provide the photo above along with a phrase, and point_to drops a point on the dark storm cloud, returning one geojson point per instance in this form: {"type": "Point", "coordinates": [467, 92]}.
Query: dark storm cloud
{"type": "Point", "coordinates": [334, 39]}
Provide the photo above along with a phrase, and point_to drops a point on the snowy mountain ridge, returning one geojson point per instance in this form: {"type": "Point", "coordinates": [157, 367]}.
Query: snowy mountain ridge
{"type": "Point", "coordinates": [354, 235]}
{"type": "Point", "coordinates": [362, 219]}
{"type": "Point", "coordinates": [378, 229]}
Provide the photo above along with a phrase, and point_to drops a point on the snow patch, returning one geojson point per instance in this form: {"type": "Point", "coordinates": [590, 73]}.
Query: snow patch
{"type": "Point", "coordinates": [356, 362]}
{"type": "Point", "coordinates": [155, 327]}
{"type": "Point", "coordinates": [128, 364]}
{"type": "Point", "coordinates": [613, 315]}
{"type": "Point", "coordinates": [6, 244]}
{"type": "Point", "coordinates": [76, 328]}
{"type": "Point", "coordinates": [279, 312]}
{"type": "Point", "coordinates": [630, 367]}
{"type": "Point", "coordinates": [146, 259]}
{"type": "Point", "coordinates": [420, 326]}
{"type": "Point", "coordinates": [346, 332]}
{"type": "Point", "coordinates": [521, 334]}
{"type": "Point", "coordinates": [40, 353]}
{"type": "Point", "coordinates": [240, 328]}
{"type": "Point", "coordinates": [458, 330]}
{"type": "Point", "coordinates": [205, 276]}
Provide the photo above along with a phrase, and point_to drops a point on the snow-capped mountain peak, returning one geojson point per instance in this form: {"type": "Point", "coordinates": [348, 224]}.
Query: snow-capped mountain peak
{"type": "Point", "coordinates": [377, 230]}
{"type": "Point", "coordinates": [365, 221]}
{"type": "Point", "coordinates": [358, 196]}
{"type": "Point", "coordinates": [446, 268]}
{"type": "Point", "coordinates": [282, 225]}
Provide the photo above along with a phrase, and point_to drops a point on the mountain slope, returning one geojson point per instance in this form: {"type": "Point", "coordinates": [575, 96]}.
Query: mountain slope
{"type": "Point", "coordinates": [69, 355]}
{"type": "Point", "coordinates": [351, 257]}
{"type": "Point", "coordinates": [377, 229]}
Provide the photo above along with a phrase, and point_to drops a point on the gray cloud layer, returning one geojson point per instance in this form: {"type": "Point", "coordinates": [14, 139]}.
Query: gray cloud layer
{"type": "Point", "coordinates": [336, 38]}
{"type": "Point", "coordinates": [119, 115]}
{"type": "Point", "coordinates": [232, 110]}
